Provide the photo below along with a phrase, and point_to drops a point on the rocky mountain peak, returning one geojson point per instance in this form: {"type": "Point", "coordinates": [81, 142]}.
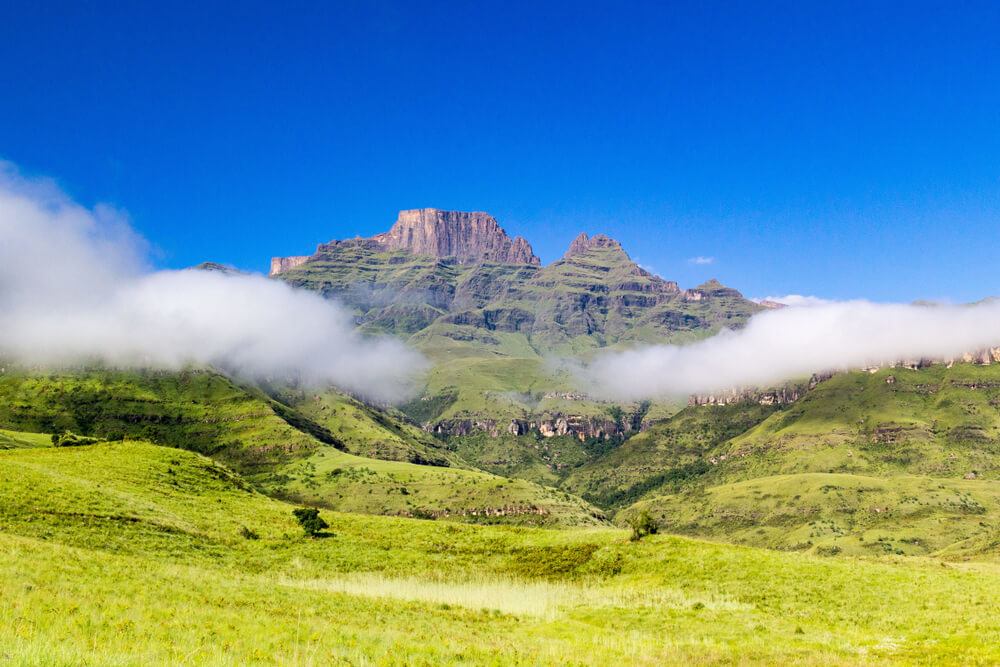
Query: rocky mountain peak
{"type": "Point", "coordinates": [583, 243]}
{"type": "Point", "coordinates": [711, 288]}
{"type": "Point", "coordinates": [466, 236]}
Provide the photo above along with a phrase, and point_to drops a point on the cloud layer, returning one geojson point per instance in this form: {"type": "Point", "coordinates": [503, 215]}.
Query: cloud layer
{"type": "Point", "coordinates": [75, 287]}
{"type": "Point", "coordinates": [793, 342]}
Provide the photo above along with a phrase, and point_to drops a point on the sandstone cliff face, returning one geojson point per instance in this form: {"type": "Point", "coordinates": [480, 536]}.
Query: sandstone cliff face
{"type": "Point", "coordinates": [456, 235]}
{"type": "Point", "coordinates": [282, 264]}
{"type": "Point", "coordinates": [468, 237]}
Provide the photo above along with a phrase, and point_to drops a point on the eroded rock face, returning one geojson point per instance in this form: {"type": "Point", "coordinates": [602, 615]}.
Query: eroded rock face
{"type": "Point", "coordinates": [282, 264]}
{"type": "Point", "coordinates": [578, 426]}
{"type": "Point", "coordinates": [468, 237]}
{"type": "Point", "coordinates": [582, 243]}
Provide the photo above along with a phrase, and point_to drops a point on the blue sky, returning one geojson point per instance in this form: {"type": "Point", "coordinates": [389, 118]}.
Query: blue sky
{"type": "Point", "coordinates": [843, 151]}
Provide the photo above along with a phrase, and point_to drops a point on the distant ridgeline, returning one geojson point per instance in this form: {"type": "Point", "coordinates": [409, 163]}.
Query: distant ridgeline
{"type": "Point", "coordinates": [792, 391]}
{"type": "Point", "coordinates": [479, 304]}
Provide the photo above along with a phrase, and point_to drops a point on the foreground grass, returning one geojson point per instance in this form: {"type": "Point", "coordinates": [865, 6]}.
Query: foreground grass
{"type": "Point", "coordinates": [133, 554]}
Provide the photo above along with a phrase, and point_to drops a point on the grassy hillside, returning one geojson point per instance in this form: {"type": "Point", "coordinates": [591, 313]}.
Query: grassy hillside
{"type": "Point", "coordinates": [136, 554]}
{"type": "Point", "coordinates": [354, 484]}
{"type": "Point", "coordinates": [937, 421]}
{"type": "Point", "coordinates": [19, 439]}
{"type": "Point", "coordinates": [366, 431]}
{"type": "Point", "coordinates": [280, 449]}
{"type": "Point", "coordinates": [905, 461]}
{"type": "Point", "coordinates": [838, 513]}
{"type": "Point", "coordinates": [194, 409]}
{"type": "Point", "coordinates": [672, 454]}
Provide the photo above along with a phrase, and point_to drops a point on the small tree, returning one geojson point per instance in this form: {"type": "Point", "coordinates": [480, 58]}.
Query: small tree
{"type": "Point", "coordinates": [642, 524]}
{"type": "Point", "coordinates": [310, 520]}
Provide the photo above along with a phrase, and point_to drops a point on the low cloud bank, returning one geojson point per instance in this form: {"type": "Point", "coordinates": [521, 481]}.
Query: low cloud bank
{"type": "Point", "coordinates": [75, 287]}
{"type": "Point", "coordinates": [792, 342]}
{"type": "Point", "coordinates": [794, 300]}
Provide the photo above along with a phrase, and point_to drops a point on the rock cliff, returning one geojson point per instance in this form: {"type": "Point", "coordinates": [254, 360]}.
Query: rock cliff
{"type": "Point", "coordinates": [468, 237]}
{"type": "Point", "coordinates": [583, 243]}
{"type": "Point", "coordinates": [457, 235]}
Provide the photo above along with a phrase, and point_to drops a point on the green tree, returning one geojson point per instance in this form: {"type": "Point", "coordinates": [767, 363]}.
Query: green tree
{"type": "Point", "coordinates": [310, 520]}
{"type": "Point", "coordinates": [642, 524]}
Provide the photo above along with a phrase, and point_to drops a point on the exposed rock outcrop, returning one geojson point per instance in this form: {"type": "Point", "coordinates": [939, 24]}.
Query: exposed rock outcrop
{"type": "Point", "coordinates": [780, 396]}
{"type": "Point", "coordinates": [468, 237]}
{"type": "Point", "coordinates": [282, 264]}
{"type": "Point", "coordinates": [457, 235]}
{"type": "Point", "coordinates": [712, 288]}
{"type": "Point", "coordinates": [582, 243]}
{"type": "Point", "coordinates": [577, 426]}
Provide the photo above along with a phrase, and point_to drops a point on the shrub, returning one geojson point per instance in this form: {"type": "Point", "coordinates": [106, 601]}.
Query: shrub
{"type": "Point", "coordinates": [70, 439]}
{"type": "Point", "coordinates": [310, 520]}
{"type": "Point", "coordinates": [642, 525]}
{"type": "Point", "coordinates": [248, 534]}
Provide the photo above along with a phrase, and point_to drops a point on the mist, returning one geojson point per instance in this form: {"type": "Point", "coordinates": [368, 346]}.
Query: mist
{"type": "Point", "coordinates": [792, 342]}
{"type": "Point", "coordinates": [76, 287]}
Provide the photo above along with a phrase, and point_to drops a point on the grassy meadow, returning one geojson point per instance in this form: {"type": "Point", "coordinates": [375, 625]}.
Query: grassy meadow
{"type": "Point", "coordinates": [135, 554]}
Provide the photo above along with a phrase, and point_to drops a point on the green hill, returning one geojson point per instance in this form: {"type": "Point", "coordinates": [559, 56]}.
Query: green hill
{"type": "Point", "coordinates": [840, 513]}
{"type": "Point", "coordinates": [904, 460]}
{"type": "Point", "coordinates": [280, 449]}
{"type": "Point", "coordinates": [137, 554]}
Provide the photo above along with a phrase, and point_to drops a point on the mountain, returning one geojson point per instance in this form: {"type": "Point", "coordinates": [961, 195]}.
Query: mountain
{"type": "Point", "coordinates": [493, 320]}
{"type": "Point", "coordinates": [463, 237]}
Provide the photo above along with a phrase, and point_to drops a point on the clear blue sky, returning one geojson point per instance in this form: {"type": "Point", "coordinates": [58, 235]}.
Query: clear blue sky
{"type": "Point", "coordinates": [838, 149]}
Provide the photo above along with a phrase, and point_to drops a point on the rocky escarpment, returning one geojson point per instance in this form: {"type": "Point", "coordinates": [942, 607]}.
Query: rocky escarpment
{"type": "Point", "coordinates": [282, 264]}
{"type": "Point", "coordinates": [792, 392]}
{"type": "Point", "coordinates": [784, 395]}
{"type": "Point", "coordinates": [468, 237]}
{"type": "Point", "coordinates": [580, 427]}
{"type": "Point", "coordinates": [459, 236]}
{"type": "Point", "coordinates": [583, 243]}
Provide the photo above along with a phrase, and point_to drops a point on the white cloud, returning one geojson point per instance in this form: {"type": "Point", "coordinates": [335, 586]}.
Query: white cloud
{"type": "Point", "coordinates": [782, 344]}
{"type": "Point", "coordinates": [75, 287]}
{"type": "Point", "coordinates": [796, 300]}
{"type": "Point", "coordinates": [701, 260]}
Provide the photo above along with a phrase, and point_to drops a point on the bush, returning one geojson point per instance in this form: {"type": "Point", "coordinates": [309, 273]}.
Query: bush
{"type": "Point", "coordinates": [642, 525]}
{"type": "Point", "coordinates": [70, 439]}
{"type": "Point", "coordinates": [248, 534]}
{"type": "Point", "coordinates": [310, 520]}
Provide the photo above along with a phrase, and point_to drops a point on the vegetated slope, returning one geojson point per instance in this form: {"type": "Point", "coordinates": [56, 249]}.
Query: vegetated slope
{"type": "Point", "coordinates": [378, 433]}
{"type": "Point", "coordinates": [279, 449]}
{"type": "Point", "coordinates": [20, 439]}
{"type": "Point", "coordinates": [841, 513]}
{"type": "Point", "coordinates": [136, 554]}
{"type": "Point", "coordinates": [200, 410]}
{"type": "Point", "coordinates": [673, 453]}
{"type": "Point", "coordinates": [902, 460]}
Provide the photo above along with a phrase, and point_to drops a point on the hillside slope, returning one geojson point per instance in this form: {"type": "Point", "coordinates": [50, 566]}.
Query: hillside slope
{"type": "Point", "coordinates": [901, 459]}
{"type": "Point", "coordinates": [279, 449]}
{"type": "Point", "coordinates": [136, 554]}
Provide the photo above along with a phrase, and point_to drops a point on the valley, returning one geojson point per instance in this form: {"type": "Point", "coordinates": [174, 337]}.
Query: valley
{"type": "Point", "coordinates": [498, 506]}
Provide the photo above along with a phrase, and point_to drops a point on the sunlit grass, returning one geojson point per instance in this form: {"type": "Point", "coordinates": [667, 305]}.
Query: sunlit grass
{"type": "Point", "coordinates": [133, 554]}
{"type": "Point", "coordinates": [543, 599]}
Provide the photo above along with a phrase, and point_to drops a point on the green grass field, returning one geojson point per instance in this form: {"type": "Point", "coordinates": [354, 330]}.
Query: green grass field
{"type": "Point", "coordinates": [128, 553]}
